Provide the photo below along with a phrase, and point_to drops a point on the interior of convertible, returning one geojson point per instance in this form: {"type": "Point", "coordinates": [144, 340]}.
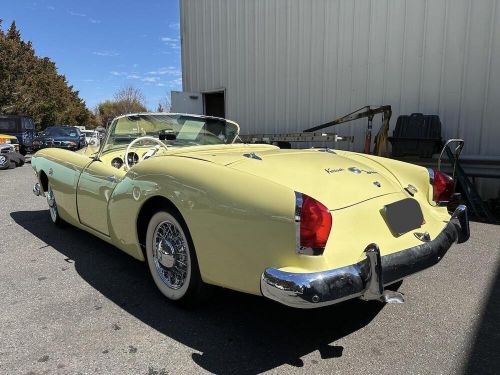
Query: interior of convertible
{"type": "Point", "coordinates": [136, 137]}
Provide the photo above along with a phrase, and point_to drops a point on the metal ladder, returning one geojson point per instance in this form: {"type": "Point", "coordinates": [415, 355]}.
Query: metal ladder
{"type": "Point", "coordinates": [473, 200]}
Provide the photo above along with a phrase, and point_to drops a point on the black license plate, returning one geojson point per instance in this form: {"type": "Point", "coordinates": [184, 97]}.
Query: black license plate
{"type": "Point", "coordinates": [403, 216]}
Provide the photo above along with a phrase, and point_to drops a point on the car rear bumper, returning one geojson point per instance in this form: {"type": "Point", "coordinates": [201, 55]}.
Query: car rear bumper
{"type": "Point", "coordinates": [367, 278]}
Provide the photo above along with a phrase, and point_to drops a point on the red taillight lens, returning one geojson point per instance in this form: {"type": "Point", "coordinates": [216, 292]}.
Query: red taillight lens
{"type": "Point", "coordinates": [315, 224]}
{"type": "Point", "coordinates": [443, 186]}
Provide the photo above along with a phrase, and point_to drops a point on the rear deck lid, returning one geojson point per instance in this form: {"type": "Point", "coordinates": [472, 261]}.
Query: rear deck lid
{"type": "Point", "coordinates": [336, 181]}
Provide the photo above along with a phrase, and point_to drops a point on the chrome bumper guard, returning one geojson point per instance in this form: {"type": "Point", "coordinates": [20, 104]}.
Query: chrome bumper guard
{"type": "Point", "coordinates": [37, 190]}
{"type": "Point", "coordinates": [367, 278]}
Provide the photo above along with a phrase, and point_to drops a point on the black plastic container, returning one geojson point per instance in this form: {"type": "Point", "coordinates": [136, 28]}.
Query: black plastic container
{"type": "Point", "coordinates": [416, 135]}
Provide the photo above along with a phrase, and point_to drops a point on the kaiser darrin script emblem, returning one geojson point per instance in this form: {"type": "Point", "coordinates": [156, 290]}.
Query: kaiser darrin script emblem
{"type": "Point", "coordinates": [333, 170]}
{"type": "Point", "coordinates": [351, 169]}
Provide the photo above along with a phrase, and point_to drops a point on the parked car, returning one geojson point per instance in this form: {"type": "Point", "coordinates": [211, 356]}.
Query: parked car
{"type": "Point", "coordinates": [67, 137]}
{"type": "Point", "coordinates": [22, 127]}
{"type": "Point", "coordinates": [91, 137]}
{"type": "Point", "coordinates": [11, 140]}
{"type": "Point", "coordinates": [9, 157]}
{"type": "Point", "coordinates": [306, 228]}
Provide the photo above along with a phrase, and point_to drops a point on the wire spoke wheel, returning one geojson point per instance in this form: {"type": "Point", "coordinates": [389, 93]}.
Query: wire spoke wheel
{"type": "Point", "coordinates": [172, 261]}
{"type": "Point", "coordinates": [51, 200]}
{"type": "Point", "coordinates": [170, 254]}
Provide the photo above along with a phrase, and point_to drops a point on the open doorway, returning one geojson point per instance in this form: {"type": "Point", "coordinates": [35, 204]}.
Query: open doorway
{"type": "Point", "coordinates": [215, 104]}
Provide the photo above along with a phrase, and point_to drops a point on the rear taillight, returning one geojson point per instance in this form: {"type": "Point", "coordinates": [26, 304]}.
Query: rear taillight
{"type": "Point", "coordinates": [443, 186]}
{"type": "Point", "coordinates": [314, 222]}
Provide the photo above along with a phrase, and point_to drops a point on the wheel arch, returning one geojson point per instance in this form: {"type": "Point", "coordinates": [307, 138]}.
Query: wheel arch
{"type": "Point", "coordinates": [44, 181]}
{"type": "Point", "coordinates": [147, 210]}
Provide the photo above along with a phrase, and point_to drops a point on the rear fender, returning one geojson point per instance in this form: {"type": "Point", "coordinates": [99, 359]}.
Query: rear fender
{"type": "Point", "coordinates": [240, 224]}
{"type": "Point", "coordinates": [407, 175]}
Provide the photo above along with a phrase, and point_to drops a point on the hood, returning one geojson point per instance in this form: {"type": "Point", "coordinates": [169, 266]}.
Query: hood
{"type": "Point", "coordinates": [337, 180]}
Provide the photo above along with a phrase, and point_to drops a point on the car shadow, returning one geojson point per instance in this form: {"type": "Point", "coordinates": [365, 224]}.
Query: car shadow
{"type": "Point", "coordinates": [233, 332]}
{"type": "Point", "coordinates": [484, 357]}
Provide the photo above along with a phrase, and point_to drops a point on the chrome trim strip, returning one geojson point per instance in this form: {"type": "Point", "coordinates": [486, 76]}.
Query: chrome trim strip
{"type": "Point", "coordinates": [367, 278]}
{"type": "Point", "coordinates": [431, 176]}
{"type": "Point", "coordinates": [298, 210]}
{"type": "Point", "coordinates": [326, 149]}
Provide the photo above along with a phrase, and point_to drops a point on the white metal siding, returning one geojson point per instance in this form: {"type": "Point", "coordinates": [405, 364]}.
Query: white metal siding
{"type": "Point", "coordinates": [290, 64]}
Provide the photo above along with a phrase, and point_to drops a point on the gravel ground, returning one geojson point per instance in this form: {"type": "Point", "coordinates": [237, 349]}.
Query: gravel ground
{"type": "Point", "coordinates": [71, 303]}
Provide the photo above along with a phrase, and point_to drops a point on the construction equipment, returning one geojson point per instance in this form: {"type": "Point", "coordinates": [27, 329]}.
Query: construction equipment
{"type": "Point", "coordinates": [473, 200]}
{"type": "Point", "coordinates": [381, 143]}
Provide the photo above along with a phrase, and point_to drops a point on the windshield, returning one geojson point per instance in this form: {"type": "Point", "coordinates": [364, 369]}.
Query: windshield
{"type": "Point", "coordinates": [179, 130]}
{"type": "Point", "coordinates": [60, 132]}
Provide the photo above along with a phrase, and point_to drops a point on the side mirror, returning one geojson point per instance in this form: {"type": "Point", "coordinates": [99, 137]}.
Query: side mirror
{"type": "Point", "coordinates": [168, 135]}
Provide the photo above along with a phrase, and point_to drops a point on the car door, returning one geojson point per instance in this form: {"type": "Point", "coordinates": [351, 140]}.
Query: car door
{"type": "Point", "coordinates": [96, 184]}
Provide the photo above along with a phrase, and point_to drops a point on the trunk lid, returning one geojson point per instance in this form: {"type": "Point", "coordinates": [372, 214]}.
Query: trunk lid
{"type": "Point", "coordinates": [337, 180]}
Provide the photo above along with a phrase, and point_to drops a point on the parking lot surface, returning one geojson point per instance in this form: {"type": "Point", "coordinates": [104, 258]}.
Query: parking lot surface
{"type": "Point", "coordinates": [71, 303]}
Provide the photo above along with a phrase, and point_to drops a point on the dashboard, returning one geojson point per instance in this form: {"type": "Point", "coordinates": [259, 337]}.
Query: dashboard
{"type": "Point", "coordinates": [115, 157]}
{"type": "Point", "coordinates": [132, 159]}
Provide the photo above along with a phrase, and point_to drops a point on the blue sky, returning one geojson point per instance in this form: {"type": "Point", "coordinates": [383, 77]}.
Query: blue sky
{"type": "Point", "coordinates": [102, 45]}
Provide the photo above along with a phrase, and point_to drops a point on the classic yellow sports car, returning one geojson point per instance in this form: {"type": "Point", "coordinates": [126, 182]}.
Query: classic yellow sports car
{"type": "Point", "coordinates": [304, 227]}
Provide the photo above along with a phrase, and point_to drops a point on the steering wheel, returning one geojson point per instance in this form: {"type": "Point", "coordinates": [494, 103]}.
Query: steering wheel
{"type": "Point", "coordinates": [150, 153]}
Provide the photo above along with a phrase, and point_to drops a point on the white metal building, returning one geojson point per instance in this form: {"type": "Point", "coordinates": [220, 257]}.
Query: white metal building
{"type": "Point", "coordinates": [286, 65]}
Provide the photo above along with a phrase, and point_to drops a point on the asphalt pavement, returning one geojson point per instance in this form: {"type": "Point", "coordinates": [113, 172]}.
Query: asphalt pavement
{"type": "Point", "coordinates": [71, 304]}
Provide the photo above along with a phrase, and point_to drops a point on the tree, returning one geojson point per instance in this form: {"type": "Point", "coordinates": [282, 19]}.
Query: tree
{"type": "Point", "coordinates": [31, 85]}
{"type": "Point", "coordinates": [130, 98]}
{"type": "Point", "coordinates": [164, 105]}
{"type": "Point", "coordinates": [127, 100]}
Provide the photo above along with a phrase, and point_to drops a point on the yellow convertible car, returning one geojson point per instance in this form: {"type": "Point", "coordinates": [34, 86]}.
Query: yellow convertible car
{"type": "Point", "coordinates": [304, 227]}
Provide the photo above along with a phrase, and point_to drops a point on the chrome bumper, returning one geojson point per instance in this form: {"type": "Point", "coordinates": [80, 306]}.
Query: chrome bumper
{"type": "Point", "coordinates": [367, 278]}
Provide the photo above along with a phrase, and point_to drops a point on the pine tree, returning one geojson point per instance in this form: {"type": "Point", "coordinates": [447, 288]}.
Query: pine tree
{"type": "Point", "coordinates": [30, 85]}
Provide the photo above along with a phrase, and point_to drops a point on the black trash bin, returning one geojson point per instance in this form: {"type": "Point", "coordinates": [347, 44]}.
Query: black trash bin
{"type": "Point", "coordinates": [416, 135]}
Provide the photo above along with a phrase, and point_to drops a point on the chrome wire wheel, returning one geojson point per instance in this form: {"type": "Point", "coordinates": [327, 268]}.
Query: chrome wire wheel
{"type": "Point", "coordinates": [51, 200]}
{"type": "Point", "coordinates": [170, 253]}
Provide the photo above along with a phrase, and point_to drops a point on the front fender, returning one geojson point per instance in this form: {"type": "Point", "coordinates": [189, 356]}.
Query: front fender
{"type": "Point", "coordinates": [63, 169]}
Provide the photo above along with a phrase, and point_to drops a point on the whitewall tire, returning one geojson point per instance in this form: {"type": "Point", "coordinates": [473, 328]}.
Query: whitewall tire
{"type": "Point", "coordinates": [53, 211]}
{"type": "Point", "coordinates": [172, 260]}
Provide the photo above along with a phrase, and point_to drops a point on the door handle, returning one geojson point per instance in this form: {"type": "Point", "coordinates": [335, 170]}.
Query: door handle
{"type": "Point", "coordinates": [112, 178]}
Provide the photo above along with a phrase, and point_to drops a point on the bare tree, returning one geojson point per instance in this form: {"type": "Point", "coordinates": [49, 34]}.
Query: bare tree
{"type": "Point", "coordinates": [164, 105]}
{"type": "Point", "coordinates": [130, 97]}
{"type": "Point", "coordinates": [127, 100]}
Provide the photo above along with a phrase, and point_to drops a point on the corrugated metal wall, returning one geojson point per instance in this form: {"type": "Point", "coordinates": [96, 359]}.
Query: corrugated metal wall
{"type": "Point", "coordinates": [290, 64]}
